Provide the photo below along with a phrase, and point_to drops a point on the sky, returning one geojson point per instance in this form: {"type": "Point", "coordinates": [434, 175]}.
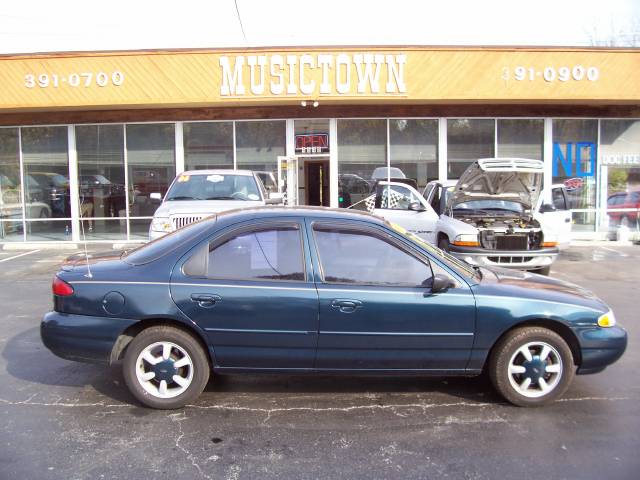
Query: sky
{"type": "Point", "coordinates": [83, 25]}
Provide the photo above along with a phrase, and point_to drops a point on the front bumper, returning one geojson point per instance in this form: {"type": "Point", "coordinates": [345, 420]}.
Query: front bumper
{"type": "Point", "coordinates": [518, 259]}
{"type": "Point", "coordinates": [600, 347]}
{"type": "Point", "coordinates": [82, 338]}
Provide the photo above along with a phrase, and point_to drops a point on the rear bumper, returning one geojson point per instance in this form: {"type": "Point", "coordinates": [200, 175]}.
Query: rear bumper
{"type": "Point", "coordinates": [520, 259]}
{"type": "Point", "coordinates": [600, 347]}
{"type": "Point", "coordinates": [82, 338]}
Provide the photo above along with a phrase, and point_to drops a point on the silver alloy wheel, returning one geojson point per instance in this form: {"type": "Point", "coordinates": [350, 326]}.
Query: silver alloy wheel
{"type": "Point", "coordinates": [535, 369]}
{"type": "Point", "coordinates": [164, 369]}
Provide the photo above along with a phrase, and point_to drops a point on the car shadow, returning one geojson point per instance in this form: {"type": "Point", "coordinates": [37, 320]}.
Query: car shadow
{"type": "Point", "coordinates": [29, 360]}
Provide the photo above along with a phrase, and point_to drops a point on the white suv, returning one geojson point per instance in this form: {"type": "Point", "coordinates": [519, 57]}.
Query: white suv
{"type": "Point", "coordinates": [197, 194]}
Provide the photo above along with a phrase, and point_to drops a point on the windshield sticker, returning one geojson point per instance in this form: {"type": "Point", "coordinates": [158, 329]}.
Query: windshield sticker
{"type": "Point", "coordinates": [183, 178]}
{"type": "Point", "coordinates": [253, 196]}
{"type": "Point", "coordinates": [215, 178]}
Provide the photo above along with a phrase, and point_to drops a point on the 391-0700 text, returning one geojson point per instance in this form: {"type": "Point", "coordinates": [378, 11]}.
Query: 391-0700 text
{"type": "Point", "coordinates": [83, 79]}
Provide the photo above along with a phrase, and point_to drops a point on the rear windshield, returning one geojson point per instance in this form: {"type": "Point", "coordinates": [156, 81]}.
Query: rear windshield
{"type": "Point", "coordinates": [164, 245]}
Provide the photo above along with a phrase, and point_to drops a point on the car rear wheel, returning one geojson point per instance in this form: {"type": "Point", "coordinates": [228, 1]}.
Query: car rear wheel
{"type": "Point", "coordinates": [165, 367]}
{"type": "Point", "coordinates": [531, 366]}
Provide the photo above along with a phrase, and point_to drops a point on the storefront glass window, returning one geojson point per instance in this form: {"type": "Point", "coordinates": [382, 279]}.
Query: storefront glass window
{"type": "Point", "coordinates": [575, 165]}
{"type": "Point", "coordinates": [10, 186]}
{"type": "Point", "coordinates": [620, 172]}
{"type": "Point", "coordinates": [151, 161]}
{"type": "Point", "coordinates": [520, 138]}
{"type": "Point", "coordinates": [362, 158]}
{"type": "Point", "coordinates": [208, 145]}
{"type": "Point", "coordinates": [101, 180]}
{"type": "Point", "coordinates": [414, 149]}
{"type": "Point", "coordinates": [46, 173]}
{"type": "Point", "coordinates": [467, 141]}
{"type": "Point", "coordinates": [258, 145]}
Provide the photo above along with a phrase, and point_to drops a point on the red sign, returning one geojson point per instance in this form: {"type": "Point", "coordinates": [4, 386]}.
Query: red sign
{"type": "Point", "coordinates": [573, 184]}
{"type": "Point", "coordinates": [312, 143]}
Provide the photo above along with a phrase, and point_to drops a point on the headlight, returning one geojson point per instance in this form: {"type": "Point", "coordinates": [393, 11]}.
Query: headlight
{"type": "Point", "coordinates": [466, 240]}
{"type": "Point", "coordinates": [607, 320]}
{"type": "Point", "coordinates": [161, 224]}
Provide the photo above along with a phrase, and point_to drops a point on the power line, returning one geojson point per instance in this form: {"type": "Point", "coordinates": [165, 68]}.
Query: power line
{"type": "Point", "coordinates": [240, 21]}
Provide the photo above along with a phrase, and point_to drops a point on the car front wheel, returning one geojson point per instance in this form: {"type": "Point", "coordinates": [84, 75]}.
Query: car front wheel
{"type": "Point", "coordinates": [531, 366]}
{"type": "Point", "coordinates": [165, 367]}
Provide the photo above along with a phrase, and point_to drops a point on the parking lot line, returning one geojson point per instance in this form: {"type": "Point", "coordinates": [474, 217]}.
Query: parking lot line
{"type": "Point", "coordinates": [18, 256]}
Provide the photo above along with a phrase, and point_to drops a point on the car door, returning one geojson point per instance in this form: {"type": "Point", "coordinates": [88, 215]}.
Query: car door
{"type": "Point", "coordinates": [557, 221]}
{"type": "Point", "coordinates": [402, 204]}
{"type": "Point", "coordinates": [376, 307]}
{"type": "Point", "coordinates": [251, 289]}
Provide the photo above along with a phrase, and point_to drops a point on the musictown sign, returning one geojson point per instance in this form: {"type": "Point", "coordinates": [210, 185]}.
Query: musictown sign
{"type": "Point", "coordinates": [313, 74]}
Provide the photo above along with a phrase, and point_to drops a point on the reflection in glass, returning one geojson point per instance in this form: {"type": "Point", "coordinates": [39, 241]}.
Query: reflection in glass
{"type": "Point", "coordinates": [11, 231]}
{"type": "Point", "coordinates": [101, 172]}
{"type": "Point", "coordinates": [574, 164]}
{"type": "Point", "coordinates": [10, 186]}
{"type": "Point", "coordinates": [99, 229]}
{"type": "Point", "coordinates": [208, 145]}
{"type": "Point", "coordinates": [362, 155]}
{"type": "Point", "coordinates": [139, 229]}
{"type": "Point", "coordinates": [620, 172]}
{"type": "Point", "coordinates": [258, 145]}
{"type": "Point", "coordinates": [151, 160]}
{"type": "Point", "coordinates": [519, 138]}
{"type": "Point", "coordinates": [42, 231]}
{"type": "Point", "coordinates": [46, 172]}
{"type": "Point", "coordinates": [467, 141]}
{"type": "Point", "coordinates": [414, 149]}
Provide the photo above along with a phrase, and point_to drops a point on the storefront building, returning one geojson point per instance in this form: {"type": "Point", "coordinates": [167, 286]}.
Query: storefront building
{"type": "Point", "coordinates": [86, 138]}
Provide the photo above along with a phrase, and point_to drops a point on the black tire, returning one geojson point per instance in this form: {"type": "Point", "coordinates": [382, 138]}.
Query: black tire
{"type": "Point", "coordinates": [507, 347]}
{"type": "Point", "coordinates": [443, 244]}
{"type": "Point", "coordinates": [544, 271]}
{"type": "Point", "coordinates": [185, 341]}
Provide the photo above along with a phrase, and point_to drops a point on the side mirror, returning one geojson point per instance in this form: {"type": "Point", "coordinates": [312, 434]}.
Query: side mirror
{"type": "Point", "coordinates": [441, 283]}
{"type": "Point", "coordinates": [156, 196]}
{"type": "Point", "coordinates": [416, 207]}
{"type": "Point", "coordinates": [547, 207]}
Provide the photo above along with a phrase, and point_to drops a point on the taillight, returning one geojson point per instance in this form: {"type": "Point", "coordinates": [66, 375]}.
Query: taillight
{"type": "Point", "coordinates": [61, 288]}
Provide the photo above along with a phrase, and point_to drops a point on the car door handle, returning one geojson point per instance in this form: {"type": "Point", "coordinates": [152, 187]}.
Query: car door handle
{"type": "Point", "coordinates": [346, 305]}
{"type": "Point", "coordinates": [205, 300]}
{"type": "Point", "coordinates": [567, 220]}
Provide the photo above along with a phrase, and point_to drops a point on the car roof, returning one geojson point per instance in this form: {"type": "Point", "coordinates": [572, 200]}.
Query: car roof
{"type": "Point", "coordinates": [219, 171]}
{"type": "Point", "coordinates": [270, 211]}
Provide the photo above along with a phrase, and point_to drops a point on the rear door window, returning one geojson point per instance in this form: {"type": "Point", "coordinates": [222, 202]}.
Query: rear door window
{"type": "Point", "coordinates": [267, 253]}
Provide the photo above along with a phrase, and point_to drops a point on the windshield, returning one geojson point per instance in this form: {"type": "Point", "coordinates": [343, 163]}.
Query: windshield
{"type": "Point", "coordinates": [214, 187]}
{"type": "Point", "coordinates": [458, 265]}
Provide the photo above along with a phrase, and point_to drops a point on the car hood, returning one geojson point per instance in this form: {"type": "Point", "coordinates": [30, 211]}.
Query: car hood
{"type": "Point", "coordinates": [521, 284]}
{"type": "Point", "coordinates": [512, 179]}
{"type": "Point", "coordinates": [183, 207]}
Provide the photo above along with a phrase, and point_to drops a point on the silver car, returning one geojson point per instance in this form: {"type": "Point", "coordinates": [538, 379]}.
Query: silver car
{"type": "Point", "coordinates": [196, 194]}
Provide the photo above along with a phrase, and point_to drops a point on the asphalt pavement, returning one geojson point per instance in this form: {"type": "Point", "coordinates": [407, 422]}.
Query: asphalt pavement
{"type": "Point", "coordinates": [67, 420]}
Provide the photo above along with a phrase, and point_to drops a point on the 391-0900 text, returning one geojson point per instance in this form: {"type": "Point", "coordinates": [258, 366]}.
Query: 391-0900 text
{"type": "Point", "coordinates": [551, 74]}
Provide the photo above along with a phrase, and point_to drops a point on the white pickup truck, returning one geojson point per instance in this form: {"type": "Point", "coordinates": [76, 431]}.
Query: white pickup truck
{"type": "Point", "coordinates": [493, 215]}
{"type": "Point", "coordinates": [197, 194]}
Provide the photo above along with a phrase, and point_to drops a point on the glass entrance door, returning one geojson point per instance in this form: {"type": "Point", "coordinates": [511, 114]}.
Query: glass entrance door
{"type": "Point", "coordinates": [316, 181]}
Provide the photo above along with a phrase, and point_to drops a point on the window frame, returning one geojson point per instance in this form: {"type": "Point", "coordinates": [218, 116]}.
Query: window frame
{"type": "Point", "coordinates": [379, 233]}
{"type": "Point", "coordinates": [211, 244]}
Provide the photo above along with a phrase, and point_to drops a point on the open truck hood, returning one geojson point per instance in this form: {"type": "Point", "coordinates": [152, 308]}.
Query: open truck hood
{"type": "Point", "coordinates": [512, 179]}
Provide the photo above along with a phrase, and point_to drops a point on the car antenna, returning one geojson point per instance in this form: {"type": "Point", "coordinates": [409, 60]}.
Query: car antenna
{"type": "Point", "coordinates": [84, 241]}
